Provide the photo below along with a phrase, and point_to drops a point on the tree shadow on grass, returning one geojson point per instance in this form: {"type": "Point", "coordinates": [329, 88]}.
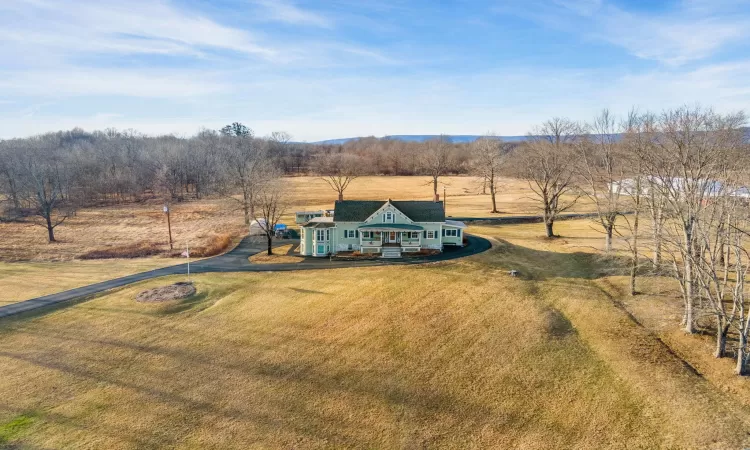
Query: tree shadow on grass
{"type": "Point", "coordinates": [542, 265]}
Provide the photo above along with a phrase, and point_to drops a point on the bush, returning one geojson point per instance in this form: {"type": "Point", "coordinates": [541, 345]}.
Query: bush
{"type": "Point", "coordinates": [218, 244]}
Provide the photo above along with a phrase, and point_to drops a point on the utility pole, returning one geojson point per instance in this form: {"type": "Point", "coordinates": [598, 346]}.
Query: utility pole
{"type": "Point", "coordinates": [169, 226]}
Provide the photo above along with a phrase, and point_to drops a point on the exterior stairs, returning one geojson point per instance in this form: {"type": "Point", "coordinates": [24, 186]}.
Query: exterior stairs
{"type": "Point", "coordinates": [391, 252]}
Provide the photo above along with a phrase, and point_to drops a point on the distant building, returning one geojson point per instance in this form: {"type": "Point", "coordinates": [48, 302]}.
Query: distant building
{"type": "Point", "coordinates": [678, 185]}
{"type": "Point", "coordinates": [301, 217]}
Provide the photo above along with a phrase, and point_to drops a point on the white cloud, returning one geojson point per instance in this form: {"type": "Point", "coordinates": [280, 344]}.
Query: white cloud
{"type": "Point", "coordinates": [694, 30]}
{"type": "Point", "coordinates": [71, 81]}
{"type": "Point", "coordinates": [283, 11]}
{"type": "Point", "coordinates": [108, 26]}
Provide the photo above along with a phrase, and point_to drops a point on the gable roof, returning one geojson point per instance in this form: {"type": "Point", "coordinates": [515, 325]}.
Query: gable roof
{"type": "Point", "coordinates": [416, 210]}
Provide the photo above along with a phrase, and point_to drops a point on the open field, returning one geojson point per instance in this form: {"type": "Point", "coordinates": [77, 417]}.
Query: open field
{"type": "Point", "coordinates": [445, 355]}
{"type": "Point", "coordinates": [464, 194]}
{"type": "Point", "coordinates": [197, 223]}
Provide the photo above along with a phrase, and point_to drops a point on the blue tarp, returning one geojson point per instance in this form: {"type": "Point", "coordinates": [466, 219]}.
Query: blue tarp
{"type": "Point", "coordinates": [279, 226]}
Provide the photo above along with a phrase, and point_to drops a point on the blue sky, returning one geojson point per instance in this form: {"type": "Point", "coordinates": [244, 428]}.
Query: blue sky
{"type": "Point", "coordinates": [339, 68]}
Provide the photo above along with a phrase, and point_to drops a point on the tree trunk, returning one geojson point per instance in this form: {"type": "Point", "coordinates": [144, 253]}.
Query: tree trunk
{"type": "Point", "coordinates": [435, 189]}
{"type": "Point", "coordinates": [270, 244]}
{"type": "Point", "coordinates": [50, 228]}
{"type": "Point", "coordinates": [608, 237]}
{"type": "Point", "coordinates": [634, 261]}
{"type": "Point", "coordinates": [721, 339]}
{"type": "Point", "coordinates": [689, 286]}
{"type": "Point", "coordinates": [656, 261]}
{"type": "Point", "coordinates": [341, 196]}
{"type": "Point", "coordinates": [548, 228]}
{"type": "Point", "coordinates": [494, 202]}
{"type": "Point", "coordinates": [247, 213]}
{"type": "Point", "coordinates": [741, 351]}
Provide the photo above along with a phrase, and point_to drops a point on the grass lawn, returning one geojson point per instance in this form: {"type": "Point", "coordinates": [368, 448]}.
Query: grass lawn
{"type": "Point", "coordinates": [22, 281]}
{"type": "Point", "coordinates": [448, 355]}
{"type": "Point", "coordinates": [279, 256]}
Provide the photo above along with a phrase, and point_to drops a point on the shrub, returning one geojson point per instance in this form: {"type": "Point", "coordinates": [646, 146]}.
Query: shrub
{"type": "Point", "coordinates": [216, 245]}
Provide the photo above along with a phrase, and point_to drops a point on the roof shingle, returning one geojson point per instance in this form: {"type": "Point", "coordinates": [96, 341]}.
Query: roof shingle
{"type": "Point", "coordinates": [416, 210]}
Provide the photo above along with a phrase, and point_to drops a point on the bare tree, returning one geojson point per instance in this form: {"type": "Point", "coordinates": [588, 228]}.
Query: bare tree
{"type": "Point", "coordinates": [694, 147]}
{"type": "Point", "coordinates": [489, 157]}
{"type": "Point", "coordinates": [436, 160]}
{"type": "Point", "coordinates": [9, 173]}
{"type": "Point", "coordinates": [43, 177]}
{"type": "Point", "coordinates": [338, 170]}
{"type": "Point", "coordinates": [546, 163]}
{"type": "Point", "coordinates": [270, 204]}
{"type": "Point", "coordinates": [246, 169]}
{"type": "Point", "coordinates": [602, 171]}
{"type": "Point", "coordinates": [637, 136]}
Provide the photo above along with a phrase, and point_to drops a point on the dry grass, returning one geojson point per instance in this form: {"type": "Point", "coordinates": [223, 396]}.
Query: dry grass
{"type": "Point", "coordinates": [449, 355]}
{"type": "Point", "coordinates": [280, 256]}
{"type": "Point", "coordinates": [117, 230]}
{"type": "Point", "coordinates": [465, 198]}
{"type": "Point", "coordinates": [22, 281]}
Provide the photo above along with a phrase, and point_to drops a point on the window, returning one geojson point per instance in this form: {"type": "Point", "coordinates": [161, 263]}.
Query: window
{"type": "Point", "coordinates": [451, 233]}
{"type": "Point", "coordinates": [351, 234]}
{"type": "Point", "coordinates": [388, 217]}
{"type": "Point", "coordinates": [430, 234]}
{"type": "Point", "coordinates": [321, 235]}
{"type": "Point", "coordinates": [414, 235]}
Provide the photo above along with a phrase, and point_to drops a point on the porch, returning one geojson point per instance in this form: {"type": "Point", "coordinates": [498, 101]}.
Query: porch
{"type": "Point", "coordinates": [390, 239]}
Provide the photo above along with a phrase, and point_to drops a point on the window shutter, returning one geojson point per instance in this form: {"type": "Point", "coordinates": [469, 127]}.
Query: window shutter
{"type": "Point", "coordinates": [443, 232]}
{"type": "Point", "coordinates": [356, 233]}
{"type": "Point", "coordinates": [424, 234]}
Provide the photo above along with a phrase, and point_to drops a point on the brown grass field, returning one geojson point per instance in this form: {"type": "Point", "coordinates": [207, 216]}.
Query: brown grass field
{"type": "Point", "coordinates": [447, 355]}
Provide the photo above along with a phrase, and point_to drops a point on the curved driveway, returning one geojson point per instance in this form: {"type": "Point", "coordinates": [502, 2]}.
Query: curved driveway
{"type": "Point", "coordinates": [236, 260]}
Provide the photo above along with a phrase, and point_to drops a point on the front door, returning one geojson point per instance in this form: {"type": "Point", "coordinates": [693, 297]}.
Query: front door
{"type": "Point", "coordinates": [392, 237]}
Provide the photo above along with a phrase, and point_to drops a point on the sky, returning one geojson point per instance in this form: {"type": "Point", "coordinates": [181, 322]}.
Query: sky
{"type": "Point", "coordinates": [321, 69]}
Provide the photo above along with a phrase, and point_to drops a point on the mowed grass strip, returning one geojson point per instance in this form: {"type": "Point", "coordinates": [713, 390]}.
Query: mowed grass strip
{"type": "Point", "coordinates": [445, 355]}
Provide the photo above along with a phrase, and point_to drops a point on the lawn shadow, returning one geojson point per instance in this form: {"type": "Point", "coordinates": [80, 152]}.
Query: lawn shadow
{"type": "Point", "coordinates": [542, 265]}
{"type": "Point", "coordinates": [307, 291]}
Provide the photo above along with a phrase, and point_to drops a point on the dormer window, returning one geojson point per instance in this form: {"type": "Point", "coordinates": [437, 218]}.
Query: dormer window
{"type": "Point", "coordinates": [388, 217]}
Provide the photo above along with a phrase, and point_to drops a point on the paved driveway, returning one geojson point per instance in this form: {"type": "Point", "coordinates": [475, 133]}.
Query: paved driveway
{"type": "Point", "coordinates": [236, 260]}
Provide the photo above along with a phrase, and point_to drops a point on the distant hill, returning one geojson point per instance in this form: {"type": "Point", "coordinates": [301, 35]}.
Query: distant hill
{"type": "Point", "coordinates": [458, 138]}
